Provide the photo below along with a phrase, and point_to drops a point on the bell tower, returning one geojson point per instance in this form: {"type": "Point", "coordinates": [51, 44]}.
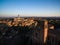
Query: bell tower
{"type": "Point", "coordinates": [45, 30]}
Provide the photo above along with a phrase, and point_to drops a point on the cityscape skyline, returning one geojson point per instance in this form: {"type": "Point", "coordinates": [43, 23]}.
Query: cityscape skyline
{"type": "Point", "coordinates": [44, 8]}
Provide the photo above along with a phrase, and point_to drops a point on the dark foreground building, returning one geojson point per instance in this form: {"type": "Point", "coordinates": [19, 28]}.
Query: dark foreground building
{"type": "Point", "coordinates": [24, 35]}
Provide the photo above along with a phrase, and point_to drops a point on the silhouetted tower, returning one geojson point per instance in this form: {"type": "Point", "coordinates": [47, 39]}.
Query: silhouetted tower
{"type": "Point", "coordinates": [18, 15]}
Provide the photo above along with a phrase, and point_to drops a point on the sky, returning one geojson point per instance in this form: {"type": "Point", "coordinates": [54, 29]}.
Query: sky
{"type": "Point", "coordinates": [44, 8]}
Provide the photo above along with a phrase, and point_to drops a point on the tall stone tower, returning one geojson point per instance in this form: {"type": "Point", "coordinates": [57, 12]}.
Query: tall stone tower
{"type": "Point", "coordinates": [45, 30]}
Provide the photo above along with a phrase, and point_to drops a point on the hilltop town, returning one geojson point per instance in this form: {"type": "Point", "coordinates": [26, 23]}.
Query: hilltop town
{"type": "Point", "coordinates": [17, 21]}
